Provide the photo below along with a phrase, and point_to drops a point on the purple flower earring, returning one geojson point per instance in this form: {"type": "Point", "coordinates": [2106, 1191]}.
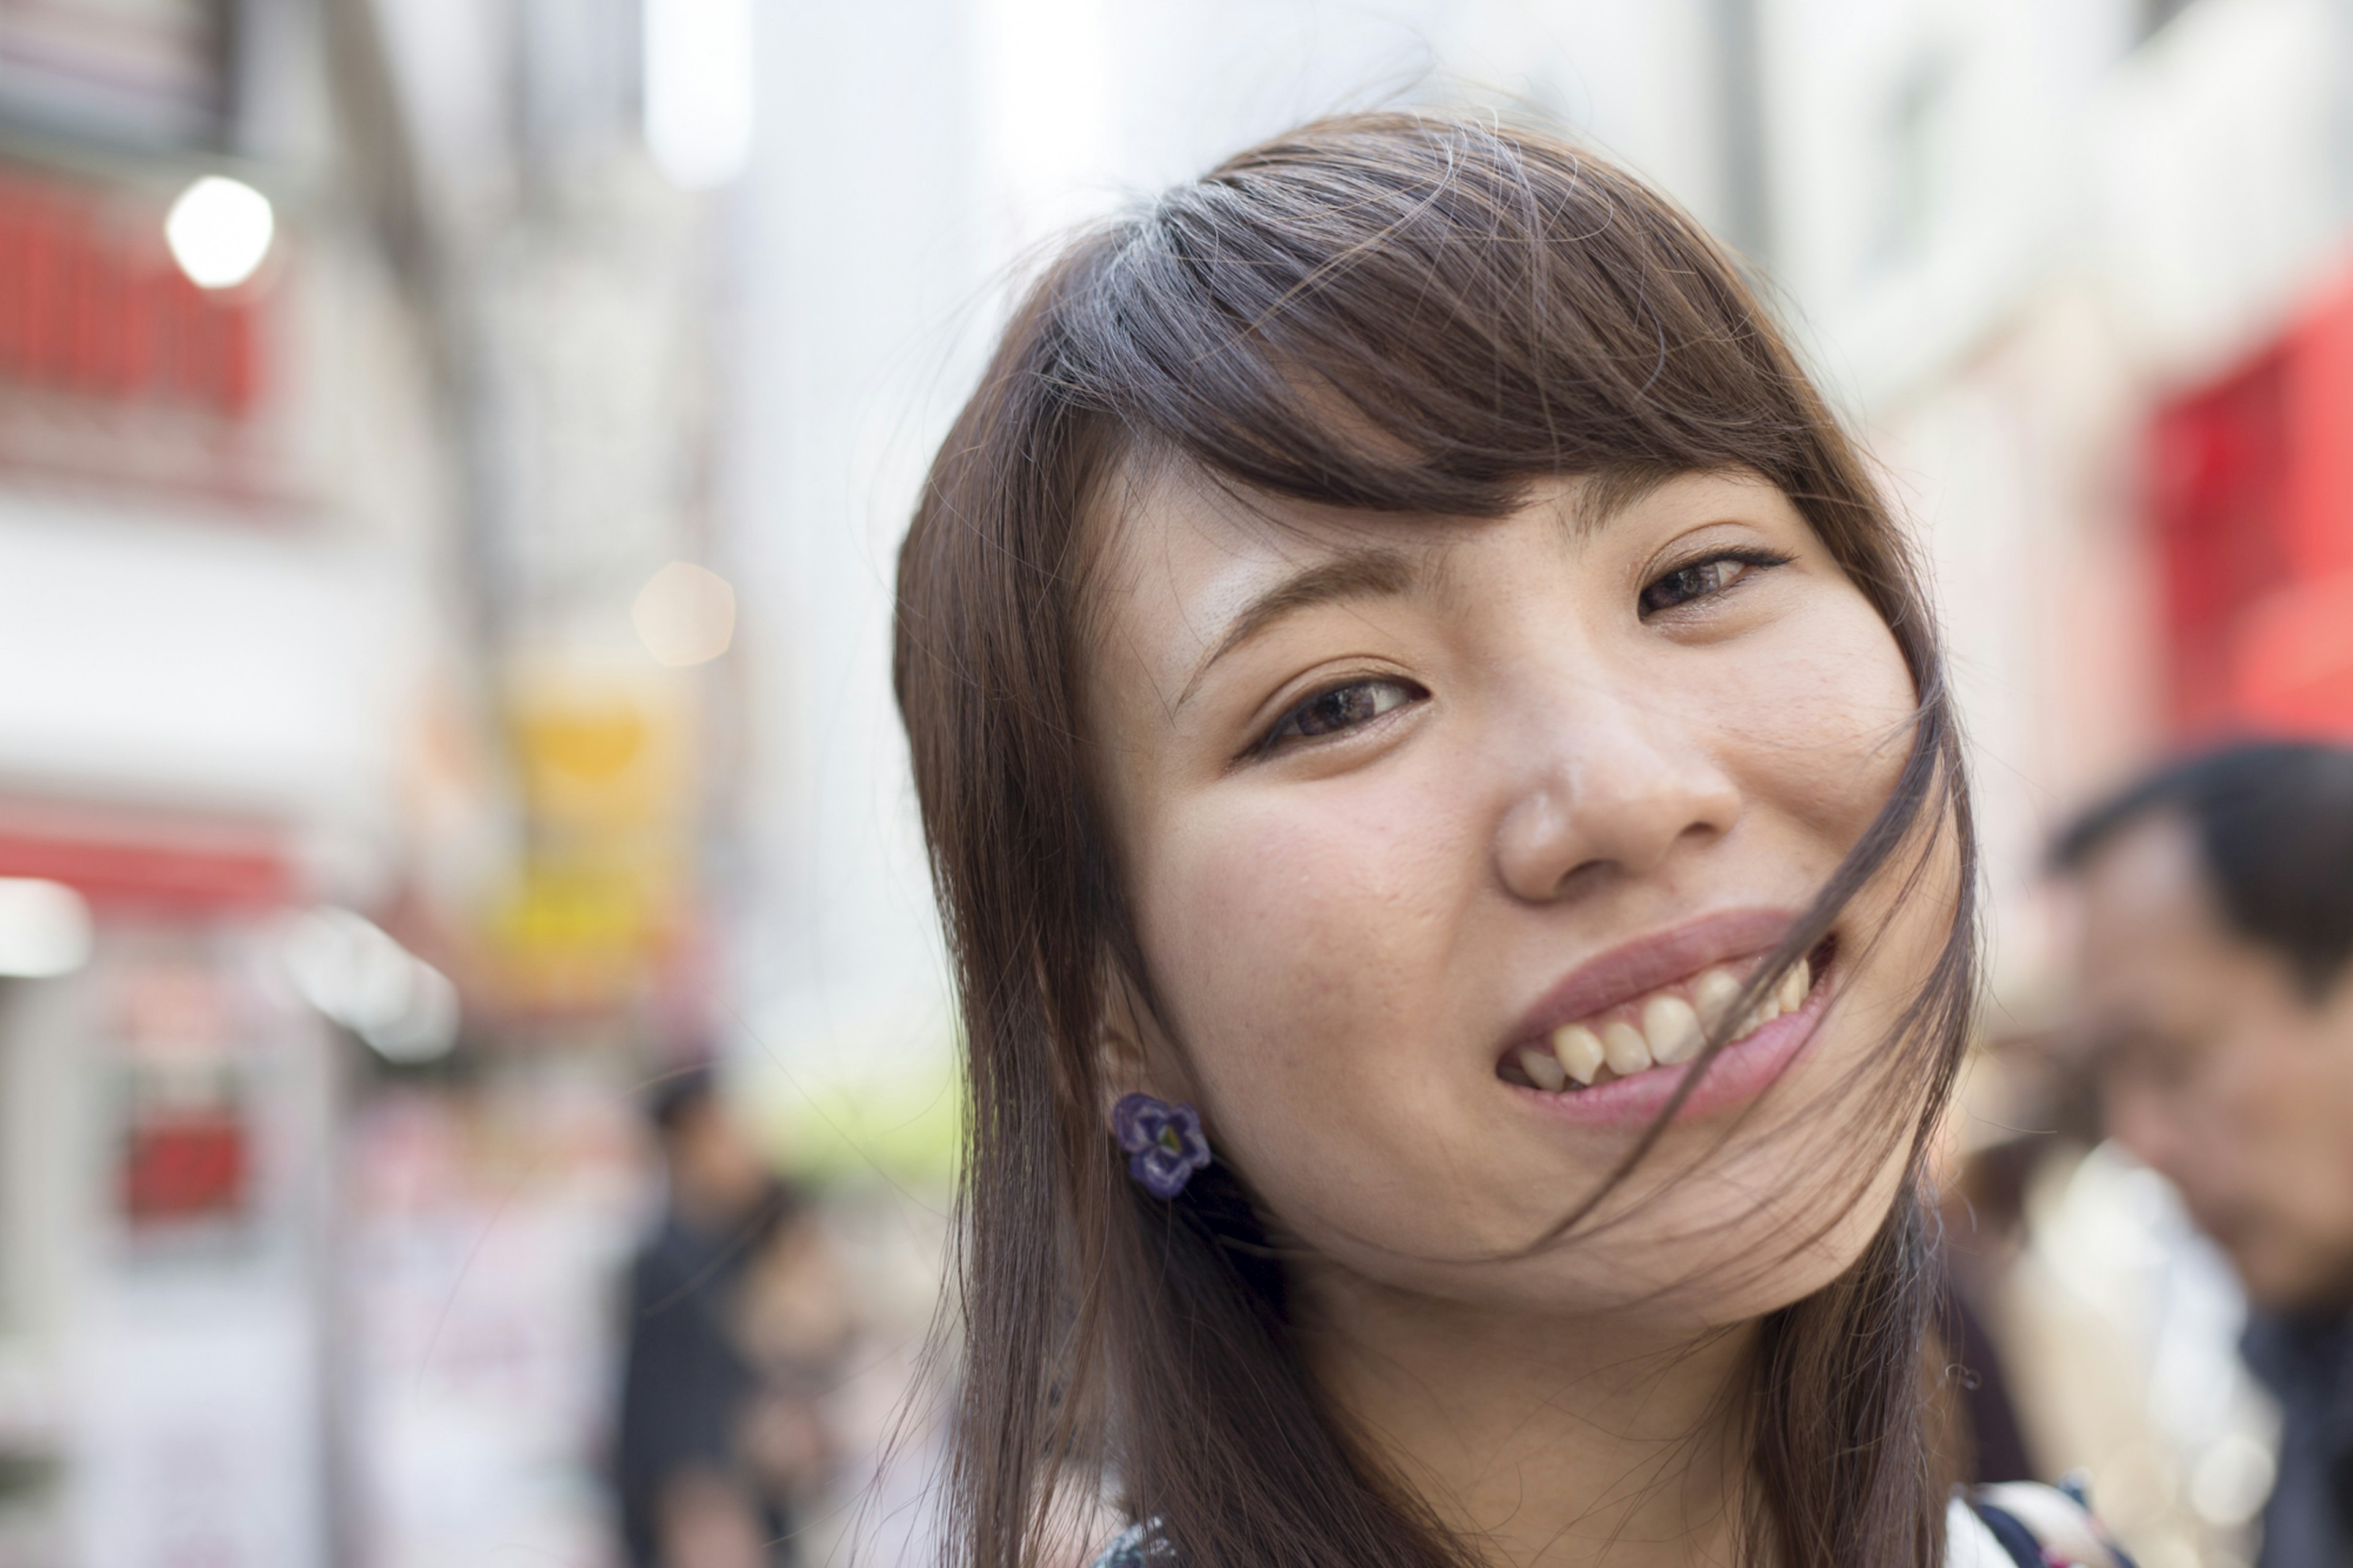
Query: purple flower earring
{"type": "Point", "coordinates": [1164, 1142]}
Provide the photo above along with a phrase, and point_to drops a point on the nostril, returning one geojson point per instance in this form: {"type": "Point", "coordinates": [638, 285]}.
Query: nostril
{"type": "Point", "coordinates": [1581, 879]}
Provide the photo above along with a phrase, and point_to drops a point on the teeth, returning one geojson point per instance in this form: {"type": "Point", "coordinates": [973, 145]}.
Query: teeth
{"type": "Point", "coordinates": [1795, 986]}
{"type": "Point", "coordinates": [1670, 1030]}
{"type": "Point", "coordinates": [1578, 1051]}
{"type": "Point", "coordinates": [1624, 1048]}
{"type": "Point", "coordinates": [1673, 1028]}
{"type": "Point", "coordinates": [1717, 990]}
{"type": "Point", "coordinates": [1544, 1069]}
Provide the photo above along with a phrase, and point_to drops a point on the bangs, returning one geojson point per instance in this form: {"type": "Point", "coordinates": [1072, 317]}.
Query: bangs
{"type": "Point", "coordinates": [1411, 316]}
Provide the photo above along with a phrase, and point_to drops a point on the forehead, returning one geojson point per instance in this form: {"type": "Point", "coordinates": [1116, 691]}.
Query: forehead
{"type": "Point", "coordinates": [2148, 883]}
{"type": "Point", "coordinates": [1174, 556]}
{"type": "Point", "coordinates": [1172, 532]}
{"type": "Point", "coordinates": [1175, 560]}
{"type": "Point", "coordinates": [2152, 938]}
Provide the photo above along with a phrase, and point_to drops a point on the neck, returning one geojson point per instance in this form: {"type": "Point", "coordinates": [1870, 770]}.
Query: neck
{"type": "Point", "coordinates": [1541, 1441]}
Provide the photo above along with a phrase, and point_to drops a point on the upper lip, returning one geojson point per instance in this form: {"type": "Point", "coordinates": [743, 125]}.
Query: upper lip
{"type": "Point", "coordinates": [1647, 963]}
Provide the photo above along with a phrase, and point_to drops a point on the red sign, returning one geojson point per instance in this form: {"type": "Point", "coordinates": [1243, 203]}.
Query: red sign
{"type": "Point", "coordinates": [126, 862]}
{"type": "Point", "coordinates": [2251, 501]}
{"type": "Point", "coordinates": [91, 305]}
{"type": "Point", "coordinates": [183, 1167]}
{"type": "Point", "coordinates": [115, 370]}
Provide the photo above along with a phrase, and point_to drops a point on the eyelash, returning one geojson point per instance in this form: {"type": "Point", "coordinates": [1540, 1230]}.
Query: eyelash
{"type": "Point", "coordinates": [1282, 734]}
{"type": "Point", "coordinates": [1749, 557]}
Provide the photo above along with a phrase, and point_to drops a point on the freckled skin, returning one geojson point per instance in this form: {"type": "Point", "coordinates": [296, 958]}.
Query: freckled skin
{"type": "Point", "coordinates": [1346, 927]}
{"type": "Point", "coordinates": [2218, 1070]}
{"type": "Point", "coordinates": [1343, 930]}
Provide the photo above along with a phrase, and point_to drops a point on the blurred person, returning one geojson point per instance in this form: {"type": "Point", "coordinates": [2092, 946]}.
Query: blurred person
{"type": "Point", "coordinates": [2216, 923]}
{"type": "Point", "coordinates": [1444, 799]}
{"type": "Point", "coordinates": [737, 1321]}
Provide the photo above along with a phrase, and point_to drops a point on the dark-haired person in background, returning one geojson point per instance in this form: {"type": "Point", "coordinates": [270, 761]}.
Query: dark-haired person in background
{"type": "Point", "coordinates": [736, 1321]}
{"type": "Point", "coordinates": [2218, 996]}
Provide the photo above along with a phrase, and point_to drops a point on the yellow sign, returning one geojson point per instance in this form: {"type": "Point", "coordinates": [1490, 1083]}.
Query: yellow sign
{"type": "Point", "coordinates": [604, 768]}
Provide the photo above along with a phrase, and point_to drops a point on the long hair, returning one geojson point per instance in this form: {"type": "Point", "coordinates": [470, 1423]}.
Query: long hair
{"type": "Point", "coordinates": [1407, 314]}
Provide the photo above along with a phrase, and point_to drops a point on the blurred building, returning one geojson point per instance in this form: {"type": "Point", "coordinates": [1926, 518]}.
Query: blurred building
{"type": "Point", "coordinates": [350, 388]}
{"type": "Point", "coordinates": [220, 567]}
{"type": "Point", "coordinates": [448, 658]}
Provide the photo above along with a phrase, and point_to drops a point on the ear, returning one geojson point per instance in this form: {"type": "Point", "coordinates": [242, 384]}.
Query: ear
{"type": "Point", "coordinates": [1132, 1054]}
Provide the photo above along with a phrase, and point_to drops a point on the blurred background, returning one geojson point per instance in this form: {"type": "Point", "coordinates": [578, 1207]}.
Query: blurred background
{"type": "Point", "coordinates": [452, 453]}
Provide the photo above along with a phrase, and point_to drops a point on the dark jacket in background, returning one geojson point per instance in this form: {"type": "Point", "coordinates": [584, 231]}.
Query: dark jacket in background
{"type": "Point", "coordinates": [684, 1383]}
{"type": "Point", "coordinates": [2307, 1364]}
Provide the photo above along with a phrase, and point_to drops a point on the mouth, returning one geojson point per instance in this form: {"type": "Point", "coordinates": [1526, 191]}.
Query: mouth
{"type": "Point", "coordinates": [1629, 1046]}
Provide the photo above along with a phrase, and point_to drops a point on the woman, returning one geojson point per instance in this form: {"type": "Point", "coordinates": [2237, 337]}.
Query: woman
{"type": "Point", "coordinates": [1398, 658]}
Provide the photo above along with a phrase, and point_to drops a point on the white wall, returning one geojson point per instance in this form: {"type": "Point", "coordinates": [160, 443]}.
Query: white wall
{"type": "Point", "coordinates": [227, 663]}
{"type": "Point", "coordinates": [857, 257]}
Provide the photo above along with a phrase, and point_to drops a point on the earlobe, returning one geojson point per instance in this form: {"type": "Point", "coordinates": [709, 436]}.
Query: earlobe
{"type": "Point", "coordinates": [1122, 1062]}
{"type": "Point", "coordinates": [1132, 1054]}
{"type": "Point", "coordinates": [1148, 1103]}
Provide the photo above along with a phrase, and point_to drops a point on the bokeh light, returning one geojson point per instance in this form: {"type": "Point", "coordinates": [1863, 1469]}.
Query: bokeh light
{"type": "Point", "coordinates": [699, 90]}
{"type": "Point", "coordinates": [44, 928]}
{"type": "Point", "coordinates": [220, 231]}
{"type": "Point", "coordinates": [358, 975]}
{"type": "Point", "coordinates": [685, 615]}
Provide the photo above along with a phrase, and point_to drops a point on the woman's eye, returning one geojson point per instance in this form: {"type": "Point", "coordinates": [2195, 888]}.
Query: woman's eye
{"type": "Point", "coordinates": [1701, 579]}
{"type": "Point", "coordinates": [1339, 708]}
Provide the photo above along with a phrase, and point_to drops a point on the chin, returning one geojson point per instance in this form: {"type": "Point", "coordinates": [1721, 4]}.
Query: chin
{"type": "Point", "coordinates": [1726, 1270]}
{"type": "Point", "coordinates": [2275, 1286]}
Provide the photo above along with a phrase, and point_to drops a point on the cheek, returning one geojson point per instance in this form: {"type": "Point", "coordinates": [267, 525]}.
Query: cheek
{"type": "Point", "coordinates": [1278, 937]}
{"type": "Point", "coordinates": [1816, 718]}
{"type": "Point", "coordinates": [1817, 714]}
{"type": "Point", "coordinates": [1303, 959]}
{"type": "Point", "coordinates": [2284, 1111]}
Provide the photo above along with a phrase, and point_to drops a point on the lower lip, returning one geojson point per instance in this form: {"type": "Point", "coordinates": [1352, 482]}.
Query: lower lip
{"type": "Point", "coordinates": [1740, 1072]}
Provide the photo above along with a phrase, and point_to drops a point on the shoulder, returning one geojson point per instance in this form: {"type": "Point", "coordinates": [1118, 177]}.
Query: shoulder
{"type": "Point", "coordinates": [2021, 1524]}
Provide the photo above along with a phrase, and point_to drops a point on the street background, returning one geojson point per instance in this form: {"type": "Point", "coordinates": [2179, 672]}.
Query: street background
{"type": "Point", "coordinates": [452, 453]}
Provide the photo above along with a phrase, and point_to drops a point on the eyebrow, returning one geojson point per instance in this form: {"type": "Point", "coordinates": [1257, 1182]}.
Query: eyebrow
{"type": "Point", "coordinates": [1608, 491]}
{"type": "Point", "coordinates": [1356, 574]}
{"type": "Point", "coordinates": [1370, 573]}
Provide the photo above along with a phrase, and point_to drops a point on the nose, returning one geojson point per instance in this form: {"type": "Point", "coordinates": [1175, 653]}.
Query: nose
{"type": "Point", "coordinates": [1622, 790]}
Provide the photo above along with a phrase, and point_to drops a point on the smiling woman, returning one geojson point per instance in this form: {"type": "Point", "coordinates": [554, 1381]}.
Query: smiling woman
{"type": "Point", "coordinates": [1400, 662]}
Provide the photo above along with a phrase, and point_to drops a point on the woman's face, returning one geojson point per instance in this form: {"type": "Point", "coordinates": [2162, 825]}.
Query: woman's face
{"type": "Point", "coordinates": [1411, 814]}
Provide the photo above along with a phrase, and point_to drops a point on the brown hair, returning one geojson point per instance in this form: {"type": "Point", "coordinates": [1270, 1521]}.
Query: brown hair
{"type": "Point", "coordinates": [1404, 314]}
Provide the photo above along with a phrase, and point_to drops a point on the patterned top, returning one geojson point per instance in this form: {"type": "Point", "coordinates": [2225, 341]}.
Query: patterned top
{"type": "Point", "coordinates": [1135, 1547]}
{"type": "Point", "coordinates": [2017, 1524]}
